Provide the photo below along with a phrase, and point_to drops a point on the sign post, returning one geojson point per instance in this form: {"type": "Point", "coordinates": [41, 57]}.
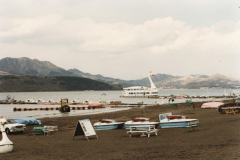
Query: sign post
{"type": "Point", "coordinates": [85, 128]}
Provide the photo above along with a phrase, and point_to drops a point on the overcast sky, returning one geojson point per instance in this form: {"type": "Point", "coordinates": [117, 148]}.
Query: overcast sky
{"type": "Point", "coordinates": [125, 38]}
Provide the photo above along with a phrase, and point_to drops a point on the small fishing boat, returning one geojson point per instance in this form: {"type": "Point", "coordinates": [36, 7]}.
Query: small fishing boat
{"type": "Point", "coordinates": [108, 124]}
{"type": "Point", "coordinates": [166, 122]}
{"type": "Point", "coordinates": [140, 119]}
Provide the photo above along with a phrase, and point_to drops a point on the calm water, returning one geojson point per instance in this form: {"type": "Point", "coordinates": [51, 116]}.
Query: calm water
{"type": "Point", "coordinates": [96, 96]}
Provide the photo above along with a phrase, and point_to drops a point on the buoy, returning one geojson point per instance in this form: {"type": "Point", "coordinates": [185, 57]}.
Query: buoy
{"type": "Point", "coordinates": [5, 144]}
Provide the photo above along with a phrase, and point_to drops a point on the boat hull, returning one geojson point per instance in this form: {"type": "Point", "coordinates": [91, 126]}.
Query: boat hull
{"type": "Point", "coordinates": [108, 126]}
{"type": "Point", "coordinates": [176, 124]}
{"type": "Point", "coordinates": [5, 148]}
{"type": "Point", "coordinates": [20, 121]}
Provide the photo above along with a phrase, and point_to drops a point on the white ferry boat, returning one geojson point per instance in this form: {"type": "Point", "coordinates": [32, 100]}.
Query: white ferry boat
{"type": "Point", "coordinates": [141, 90]}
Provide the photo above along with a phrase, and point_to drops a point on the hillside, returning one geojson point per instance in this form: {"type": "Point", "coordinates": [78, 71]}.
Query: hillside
{"type": "Point", "coordinates": [27, 66]}
{"type": "Point", "coordinates": [34, 83]}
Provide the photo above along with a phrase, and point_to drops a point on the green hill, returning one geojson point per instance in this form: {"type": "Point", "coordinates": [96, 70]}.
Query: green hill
{"type": "Point", "coordinates": [35, 83]}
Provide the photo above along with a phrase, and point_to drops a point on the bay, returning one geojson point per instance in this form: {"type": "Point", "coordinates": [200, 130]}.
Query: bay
{"type": "Point", "coordinates": [96, 96]}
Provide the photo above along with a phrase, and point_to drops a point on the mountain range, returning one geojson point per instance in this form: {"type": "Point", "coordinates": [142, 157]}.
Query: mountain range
{"type": "Point", "coordinates": [34, 67]}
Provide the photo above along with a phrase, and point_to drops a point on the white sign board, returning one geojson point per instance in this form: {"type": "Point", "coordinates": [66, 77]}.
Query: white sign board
{"type": "Point", "coordinates": [164, 116]}
{"type": "Point", "coordinates": [87, 127]}
{"type": "Point", "coordinates": [84, 127]}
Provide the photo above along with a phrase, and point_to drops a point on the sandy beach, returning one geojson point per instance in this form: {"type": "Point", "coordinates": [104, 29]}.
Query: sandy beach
{"type": "Point", "coordinates": [218, 138]}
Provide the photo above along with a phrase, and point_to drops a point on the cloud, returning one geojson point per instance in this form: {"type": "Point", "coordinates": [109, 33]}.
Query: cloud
{"type": "Point", "coordinates": [125, 47]}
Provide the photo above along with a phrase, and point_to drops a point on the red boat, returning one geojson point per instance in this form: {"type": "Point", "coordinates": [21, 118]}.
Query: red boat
{"type": "Point", "coordinates": [107, 120]}
{"type": "Point", "coordinates": [176, 117]}
{"type": "Point", "coordinates": [95, 105]}
{"type": "Point", "coordinates": [140, 119]}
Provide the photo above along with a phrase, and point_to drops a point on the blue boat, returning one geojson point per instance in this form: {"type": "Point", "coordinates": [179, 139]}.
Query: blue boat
{"type": "Point", "coordinates": [108, 126]}
{"type": "Point", "coordinates": [39, 122]}
{"type": "Point", "coordinates": [28, 119]}
{"type": "Point", "coordinates": [141, 125]}
{"type": "Point", "coordinates": [174, 123]}
{"type": "Point", "coordinates": [20, 121]}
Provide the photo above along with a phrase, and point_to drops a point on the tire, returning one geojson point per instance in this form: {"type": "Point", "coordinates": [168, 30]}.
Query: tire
{"type": "Point", "coordinates": [220, 110]}
{"type": "Point", "coordinates": [7, 130]}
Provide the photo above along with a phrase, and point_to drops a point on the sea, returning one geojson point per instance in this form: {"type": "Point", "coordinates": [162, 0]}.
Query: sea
{"type": "Point", "coordinates": [6, 110]}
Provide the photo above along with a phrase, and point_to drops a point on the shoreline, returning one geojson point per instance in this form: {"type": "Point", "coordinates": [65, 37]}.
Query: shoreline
{"type": "Point", "coordinates": [217, 137]}
{"type": "Point", "coordinates": [120, 90]}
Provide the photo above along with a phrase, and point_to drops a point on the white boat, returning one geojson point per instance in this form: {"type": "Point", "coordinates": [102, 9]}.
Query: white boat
{"type": "Point", "coordinates": [174, 123]}
{"type": "Point", "coordinates": [140, 125]}
{"type": "Point", "coordinates": [30, 100]}
{"type": "Point", "coordinates": [41, 100]}
{"type": "Point", "coordinates": [141, 90]}
{"type": "Point", "coordinates": [5, 144]}
{"type": "Point", "coordinates": [75, 101]}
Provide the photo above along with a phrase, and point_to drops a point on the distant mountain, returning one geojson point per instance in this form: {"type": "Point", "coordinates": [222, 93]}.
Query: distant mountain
{"type": "Point", "coordinates": [27, 66]}
{"type": "Point", "coordinates": [158, 80]}
{"type": "Point", "coordinates": [216, 80]}
{"type": "Point", "coordinates": [14, 83]}
{"type": "Point", "coordinates": [199, 76]}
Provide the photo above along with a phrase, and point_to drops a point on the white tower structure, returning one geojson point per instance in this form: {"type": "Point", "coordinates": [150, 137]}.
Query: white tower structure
{"type": "Point", "coordinates": [152, 84]}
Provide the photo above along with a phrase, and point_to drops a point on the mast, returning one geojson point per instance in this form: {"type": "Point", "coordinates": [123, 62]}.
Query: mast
{"type": "Point", "coordinates": [152, 84]}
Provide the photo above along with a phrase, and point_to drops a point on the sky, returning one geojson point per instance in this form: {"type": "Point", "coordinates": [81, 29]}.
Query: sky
{"type": "Point", "coordinates": [125, 39]}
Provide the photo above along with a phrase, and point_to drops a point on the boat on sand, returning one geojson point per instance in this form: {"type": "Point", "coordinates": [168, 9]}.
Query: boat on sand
{"type": "Point", "coordinates": [166, 122]}
{"type": "Point", "coordinates": [108, 124]}
{"type": "Point", "coordinates": [141, 125]}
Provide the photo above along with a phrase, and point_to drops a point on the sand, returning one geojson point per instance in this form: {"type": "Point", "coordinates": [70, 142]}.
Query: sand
{"type": "Point", "coordinates": [218, 138]}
